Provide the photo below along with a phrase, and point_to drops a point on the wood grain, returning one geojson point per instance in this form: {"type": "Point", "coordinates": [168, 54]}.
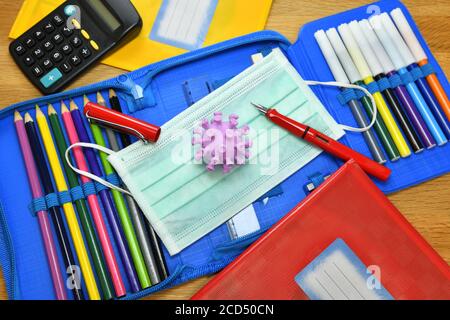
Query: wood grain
{"type": "Point", "coordinates": [426, 206]}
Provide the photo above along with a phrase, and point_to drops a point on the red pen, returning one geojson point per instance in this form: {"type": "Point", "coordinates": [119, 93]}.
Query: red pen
{"type": "Point", "coordinates": [325, 143]}
{"type": "Point", "coordinates": [121, 122]}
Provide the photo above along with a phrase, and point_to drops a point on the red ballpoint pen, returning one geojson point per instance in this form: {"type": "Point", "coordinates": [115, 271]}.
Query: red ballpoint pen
{"type": "Point", "coordinates": [326, 143]}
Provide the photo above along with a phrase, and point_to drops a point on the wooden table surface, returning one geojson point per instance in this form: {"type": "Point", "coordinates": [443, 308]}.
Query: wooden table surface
{"type": "Point", "coordinates": [426, 206]}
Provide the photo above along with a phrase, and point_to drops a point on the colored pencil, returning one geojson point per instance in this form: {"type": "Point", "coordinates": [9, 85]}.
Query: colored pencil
{"type": "Point", "coordinates": [356, 78]}
{"type": "Point", "coordinates": [83, 213]}
{"type": "Point", "coordinates": [43, 220]}
{"type": "Point", "coordinates": [55, 213]}
{"type": "Point", "coordinates": [135, 214]}
{"type": "Point", "coordinates": [383, 108]}
{"type": "Point", "coordinates": [401, 91]}
{"type": "Point", "coordinates": [94, 205]}
{"type": "Point", "coordinates": [72, 221]}
{"type": "Point", "coordinates": [106, 199]}
{"type": "Point", "coordinates": [398, 57]}
{"type": "Point", "coordinates": [340, 76]}
{"type": "Point", "coordinates": [147, 239]}
{"type": "Point", "coordinates": [421, 58]}
{"type": "Point", "coordinates": [388, 94]}
{"type": "Point", "coordinates": [121, 206]}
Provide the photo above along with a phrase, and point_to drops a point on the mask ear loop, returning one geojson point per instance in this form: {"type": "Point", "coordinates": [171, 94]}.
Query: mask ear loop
{"type": "Point", "coordinates": [88, 174]}
{"type": "Point", "coordinates": [356, 87]}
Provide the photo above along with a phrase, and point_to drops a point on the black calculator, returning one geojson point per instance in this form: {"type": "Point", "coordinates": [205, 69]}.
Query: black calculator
{"type": "Point", "coordinates": [71, 38]}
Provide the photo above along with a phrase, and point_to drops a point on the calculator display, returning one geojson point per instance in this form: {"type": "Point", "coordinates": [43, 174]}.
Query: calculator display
{"type": "Point", "coordinates": [104, 13]}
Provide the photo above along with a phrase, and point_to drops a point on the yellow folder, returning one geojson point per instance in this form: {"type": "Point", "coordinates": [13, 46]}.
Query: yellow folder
{"type": "Point", "coordinates": [230, 18]}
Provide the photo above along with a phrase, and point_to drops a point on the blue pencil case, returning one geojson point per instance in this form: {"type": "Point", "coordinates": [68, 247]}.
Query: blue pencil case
{"type": "Point", "coordinates": [156, 94]}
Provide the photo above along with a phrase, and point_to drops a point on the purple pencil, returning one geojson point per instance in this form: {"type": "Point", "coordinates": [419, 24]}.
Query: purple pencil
{"type": "Point", "coordinates": [106, 199]}
{"type": "Point", "coordinates": [44, 222]}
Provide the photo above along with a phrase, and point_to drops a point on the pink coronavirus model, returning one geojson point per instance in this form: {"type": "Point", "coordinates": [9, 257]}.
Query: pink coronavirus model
{"type": "Point", "coordinates": [222, 143]}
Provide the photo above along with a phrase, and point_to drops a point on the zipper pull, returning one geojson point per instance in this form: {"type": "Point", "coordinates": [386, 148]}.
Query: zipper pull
{"type": "Point", "coordinates": [138, 94]}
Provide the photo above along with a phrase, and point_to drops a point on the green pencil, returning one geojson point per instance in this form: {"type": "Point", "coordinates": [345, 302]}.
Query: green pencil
{"type": "Point", "coordinates": [122, 210]}
{"type": "Point", "coordinates": [380, 128]}
{"type": "Point", "coordinates": [86, 222]}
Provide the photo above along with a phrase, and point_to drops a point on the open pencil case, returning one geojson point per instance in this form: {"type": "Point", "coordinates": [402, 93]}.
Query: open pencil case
{"type": "Point", "coordinates": [156, 94]}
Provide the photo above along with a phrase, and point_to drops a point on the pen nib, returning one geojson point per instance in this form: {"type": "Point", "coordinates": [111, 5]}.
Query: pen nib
{"type": "Point", "coordinates": [260, 108]}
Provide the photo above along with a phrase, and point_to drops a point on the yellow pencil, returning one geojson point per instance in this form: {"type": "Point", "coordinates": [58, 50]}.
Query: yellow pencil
{"type": "Point", "coordinates": [69, 210]}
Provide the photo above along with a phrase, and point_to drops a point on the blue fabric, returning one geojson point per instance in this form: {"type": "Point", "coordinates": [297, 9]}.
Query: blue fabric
{"type": "Point", "coordinates": [347, 95]}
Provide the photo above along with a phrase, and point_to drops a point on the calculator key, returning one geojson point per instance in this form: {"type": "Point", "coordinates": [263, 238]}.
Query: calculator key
{"type": "Point", "coordinates": [30, 42]}
{"type": "Point", "coordinates": [85, 34]}
{"type": "Point", "coordinates": [39, 35]}
{"type": "Point", "coordinates": [48, 46]}
{"type": "Point", "coordinates": [28, 60]}
{"type": "Point", "coordinates": [58, 20]}
{"type": "Point", "coordinates": [67, 32]}
{"type": "Point", "coordinates": [76, 41]}
{"type": "Point", "coordinates": [49, 28]}
{"type": "Point", "coordinates": [58, 38]}
{"type": "Point", "coordinates": [50, 78]}
{"type": "Point", "coordinates": [67, 49]}
{"type": "Point", "coordinates": [38, 53]}
{"type": "Point", "coordinates": [95, 45]}
{"type": "Point", "coordinates": [37, 70]}
{"type": "Point", "coordinates": [85, 52]}
{"type": "Point", "coordinates": [75, 60]}
{"type": "Point", "coordinates": [57, 56]}
{"type": "Point", "coordinates": [66, 67]}
{"type": "Point", "coordinates": [20, 49]}
{"type": "Point", "coordinates": [47, 64]}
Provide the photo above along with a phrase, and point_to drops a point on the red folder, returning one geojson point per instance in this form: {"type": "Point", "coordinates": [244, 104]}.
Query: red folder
{"type": "Point", "coordinates": [350, 207]}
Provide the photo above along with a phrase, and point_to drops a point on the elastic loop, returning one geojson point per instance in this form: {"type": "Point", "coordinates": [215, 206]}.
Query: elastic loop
{"type": "Point", "coordinates": [384, 84]}
{"type": "Point", "coordinates": [373, 87]}
{"type": "Point", "coordinates": [37, 205]}
{"type": "Point", "coordinates": [63, 197]}
{"type": "Point", "coordinates": [52, 200]}
{"type": "Point", "coordinates": [77, 193]}
{"type": "Point", "coordinates": [346, 96]}
{"type": "Point", "coordinates": [407, 78]}
{"type": "Point", "coordinates": [427, 69]}
{"type": "Point", "coordinates": [89, 189]}
{"type": "Point", "coordinates": [395, 80]}
{"type": "Point", "coordinates": [416, 73]}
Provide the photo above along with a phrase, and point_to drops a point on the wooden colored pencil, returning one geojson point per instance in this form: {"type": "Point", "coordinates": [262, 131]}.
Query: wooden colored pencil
{"type": "Point", "coordinates": [94, 205]}
{"type": "Point", "coordinates": [55, 213]}
{"type": "Point", "coordinates": [83, 213]}
{"type": "Point", "coordinates": [44, 221]}
{"type": "Point", "coordinates": [68, 208]}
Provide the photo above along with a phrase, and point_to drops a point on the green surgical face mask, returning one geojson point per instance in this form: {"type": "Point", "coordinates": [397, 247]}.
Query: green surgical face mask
{"type": "Point", "coordinates": [181, 199]}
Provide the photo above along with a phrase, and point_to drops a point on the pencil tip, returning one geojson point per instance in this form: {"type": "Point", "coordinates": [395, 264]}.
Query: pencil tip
{"type": "Point", "coordinates": [73, 106]}
{"type": "Point", "coordinates": [112, 93]}
{"type": "Point", "coordinates": [28, 118]}
{"type": "Point", "coordinates": [64, 108]}
{"type": "Point", "coordinates": [100, 99]}
{"type": "Point", "coordinates": [38, 111]}
{"type": "Point", "coordinates": [51, 111]}
{"type": "Point", "coordinates": [86, 99]}
{"type": "Point", "coordinates": [17, 116]}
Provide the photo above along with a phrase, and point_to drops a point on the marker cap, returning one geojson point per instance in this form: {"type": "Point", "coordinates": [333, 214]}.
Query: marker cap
{"type": "Point", "coordinates": [408, 34]}
{"type": "Point", "coordinates": [330, 57]}
{"type": "Point", "coordinates": [398, 40]}
{"type": "Point", "coordinates": [366, 49]}
{"type": "Point", "coordinates": [342, 53]}
{"type": "Point", "coordinates": [376, 46]}
{"type": "Point", "coordinates": [387, 42]}
{"type": "Point", "coordinates": [354, 51]}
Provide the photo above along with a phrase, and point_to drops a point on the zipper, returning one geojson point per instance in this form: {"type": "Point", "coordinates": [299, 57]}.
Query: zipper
{"type": "Point", "coordinates": [8, 262]}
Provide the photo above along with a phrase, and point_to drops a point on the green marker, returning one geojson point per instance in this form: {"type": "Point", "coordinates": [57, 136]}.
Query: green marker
{"type": "Point", "coordinates": [83, 213]}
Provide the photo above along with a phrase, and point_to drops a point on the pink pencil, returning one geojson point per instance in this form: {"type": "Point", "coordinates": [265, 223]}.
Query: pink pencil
{"type": "Point", "coordinates": [94, 205]}
{"type": "Point", "coordinates": [44, 222]}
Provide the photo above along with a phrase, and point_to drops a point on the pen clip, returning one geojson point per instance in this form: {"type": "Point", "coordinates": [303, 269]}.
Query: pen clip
{"type": "Point", "coordinates": [115, 126]}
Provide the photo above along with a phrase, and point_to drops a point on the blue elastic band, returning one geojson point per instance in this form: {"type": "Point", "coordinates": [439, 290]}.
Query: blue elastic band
{"type": "Point", "coordinates": [395, 80]}
{"type": "Point", "coordinates": [373, 87]}
{"type": "Point", "coordinates": [407, 78]}
{"type": "Point", "coordinates": [384, 84]}
{"type": "Point", "coordinates": [317, 179]}
{"type": "Point", "coordinates": [347, 95]}
{"type": "Point", "coordinates": [427, 69]}
{"type": "Point", "coordinates": [416, 73]}
{"type": "Point", "coordinates": [80, 192]}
